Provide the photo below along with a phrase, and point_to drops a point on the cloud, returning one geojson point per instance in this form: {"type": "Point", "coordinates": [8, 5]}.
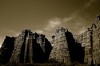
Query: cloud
{"type": "Point", "coordinates": [1, 41]}
{"type": "Point", "coordinates": [56, 22]}
{"type": "Point", "coordinates": [83, 29]}
{"type": "Point", "coordinates": [52, 23]}
{"type": "Point", "coordinates": [39, 31]}
{"type": "Point", "coordinates": [73, 23]}
{"type": "Point", "coordinates": [0, 45]}
{"type": "Point", "coordinates": [68, 19]}
{"type": "Point", "coordinates": [7, 32]}
{"type": "Point", "coordinates": [89, 3]}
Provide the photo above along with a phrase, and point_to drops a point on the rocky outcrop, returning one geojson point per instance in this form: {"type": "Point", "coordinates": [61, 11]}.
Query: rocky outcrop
{"type": "Point", "coordinates": [65, 49]}
{"type": "Point", "coordinates": [6, 49]}
{"type": "Point", "coordinates": [60, 50]}
{"type": "Point", "coordinates": [76, 51]}
{"type": "Point", "coordinates": [90, 39]}
{"type": "Point", "coordinates": [27, 47]}
{"type": "Point", "coordinates": [31, 48]}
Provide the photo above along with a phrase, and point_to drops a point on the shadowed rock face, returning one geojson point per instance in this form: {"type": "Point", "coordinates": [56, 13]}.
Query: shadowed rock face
{"type": "Point", "coordinates": [65, 48]}
{"type": "Point", "coordinates": [60, 50]}
{"type": "Point", "coordinates": [38, 54]}
{"type": "Point", "coordinates": [6, 49]}
{"type": "Point", "coordinates": [76, 51]}
{"type": "Point", "coordinates": [27, 47]}
{"type": "Point", "coordinates": [31, 48]}
{"type": "Point", "coordinates": [48, 48]}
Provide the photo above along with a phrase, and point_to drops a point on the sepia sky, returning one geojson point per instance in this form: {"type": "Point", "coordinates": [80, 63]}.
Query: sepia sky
{"type": "Point", "coordinates": [44, 16]}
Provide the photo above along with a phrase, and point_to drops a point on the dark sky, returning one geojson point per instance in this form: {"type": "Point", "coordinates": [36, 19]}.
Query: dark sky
{"type": "Point", "coordinates": [44, 16]}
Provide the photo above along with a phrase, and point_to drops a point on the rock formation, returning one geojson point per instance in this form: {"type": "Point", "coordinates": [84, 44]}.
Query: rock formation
{"type": "Point", "coordinates": [90, 39]}
{"type": "Point", "coordinates": [6, 49]}
{"type": "Point", "coordinates": [27, 47]}
{"type": "Point", "coordinates": [65, 49]}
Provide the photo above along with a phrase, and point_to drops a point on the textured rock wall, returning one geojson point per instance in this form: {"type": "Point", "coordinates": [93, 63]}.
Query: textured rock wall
{"type": "Point", "coordinates": [91, 41]}
{"type": "Point", "coordinates": [65, 49]}
{"type": "Point", "coordinates": [6, 49]}
{"type": "Point", "coordinates": [30, 48]}
{"type": "Point", "coordinates": [60, 47]}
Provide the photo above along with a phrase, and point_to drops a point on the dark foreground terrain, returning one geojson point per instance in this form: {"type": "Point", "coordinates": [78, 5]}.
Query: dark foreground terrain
{"type": "Point", "coordinates": [45, 64]}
